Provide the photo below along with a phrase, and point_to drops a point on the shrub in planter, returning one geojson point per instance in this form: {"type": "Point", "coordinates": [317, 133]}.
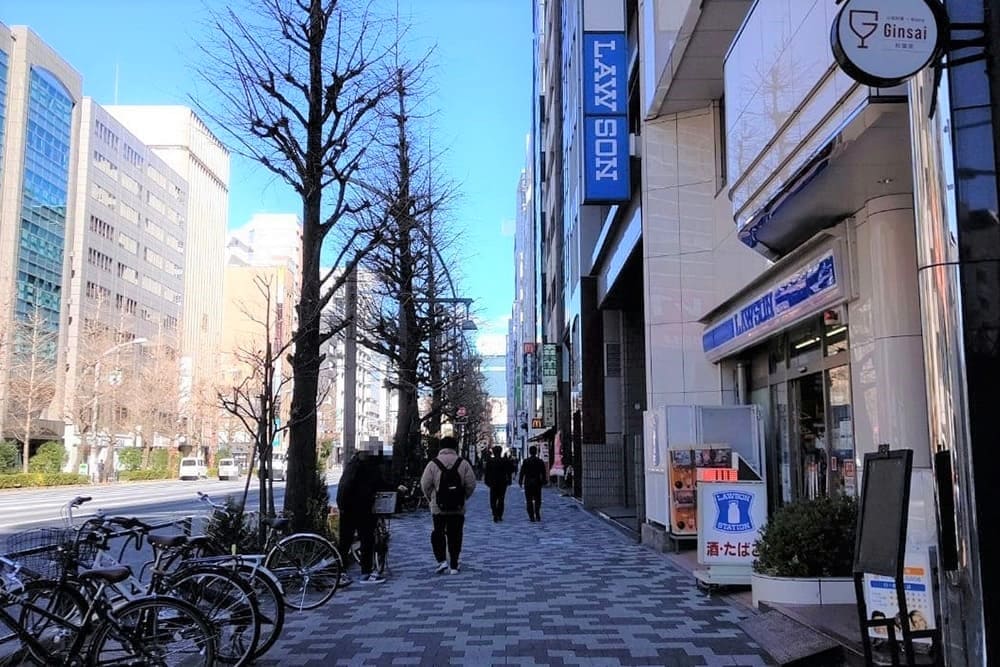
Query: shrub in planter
{"type": "Point", "coordinates": [809, 538]}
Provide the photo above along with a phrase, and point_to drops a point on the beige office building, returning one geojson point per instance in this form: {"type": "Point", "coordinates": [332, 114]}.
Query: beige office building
{"type": "Point", "coordinates": [176, 135]}
{"type": "Point", "coordinates": [261, 288]}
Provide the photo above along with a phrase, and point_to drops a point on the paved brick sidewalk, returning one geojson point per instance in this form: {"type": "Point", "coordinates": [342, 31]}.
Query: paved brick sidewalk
{"type": "Point", "coordinates": [570, 590]}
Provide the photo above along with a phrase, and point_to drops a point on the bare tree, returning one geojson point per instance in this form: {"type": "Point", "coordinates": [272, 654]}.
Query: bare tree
{"type": "Point", "coordinates": [299, 81]}
{"type": "Point", "coordinates": [401, 318]}
{"type": "Point", "coordinates": [256, 384]}
{"type": "Point", "coordinates": [32, 377]}
{"type": "Point", "coordinates": [154, 405]}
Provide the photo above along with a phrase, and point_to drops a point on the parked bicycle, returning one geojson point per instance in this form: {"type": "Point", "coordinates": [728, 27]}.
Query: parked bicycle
{"type": "Point", "coordinates": [385, 506]}
{"type": "Point", "coordinates": [228, 601]}
{"type": "Point", "coordinates": [62, 624]}
{"type": "Point", "coordinates": [307, 565]}
{"type": "Point", "coordinates": [411, 496]}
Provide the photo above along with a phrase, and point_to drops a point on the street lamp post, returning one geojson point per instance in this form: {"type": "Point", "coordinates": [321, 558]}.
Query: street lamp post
{"type": "Point", "coordinates": [93, 409]}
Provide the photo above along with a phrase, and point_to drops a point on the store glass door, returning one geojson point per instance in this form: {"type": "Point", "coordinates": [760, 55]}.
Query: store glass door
{"type": "Point", "coordinates": [809, 424]}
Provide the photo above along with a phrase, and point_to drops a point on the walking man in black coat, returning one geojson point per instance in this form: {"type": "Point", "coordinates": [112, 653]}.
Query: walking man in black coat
{"type": "Point", "coordinates": [497, 479]}
{"type": "Point", "coordinates": [534, 475]}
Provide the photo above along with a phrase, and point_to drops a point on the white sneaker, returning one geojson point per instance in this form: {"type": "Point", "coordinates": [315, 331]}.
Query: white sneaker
{"type": "Point", "coordinates": [442, 567]}
{"type": "Point", "coordinates": [454, 570]}
{"type": "Point", "coordinates": [373, 578]}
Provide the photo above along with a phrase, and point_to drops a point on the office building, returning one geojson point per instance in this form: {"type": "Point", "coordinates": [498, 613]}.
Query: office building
{"type": "Point", "coordinates": [182, 140]}
{"type": "Point", "coordinates": [128, 262]}
{"type": "Point", "coordinates": [40, 96]}
{"type": "Point", "coordinates": [741, 224]}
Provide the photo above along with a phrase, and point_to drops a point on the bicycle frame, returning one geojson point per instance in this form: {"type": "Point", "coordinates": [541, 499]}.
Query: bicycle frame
{"type": "Point", "coordinates": [98, 611]}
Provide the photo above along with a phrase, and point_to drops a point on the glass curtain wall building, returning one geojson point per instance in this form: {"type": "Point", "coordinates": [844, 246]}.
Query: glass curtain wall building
{"type": "Point", "coordinates": [39, 122]}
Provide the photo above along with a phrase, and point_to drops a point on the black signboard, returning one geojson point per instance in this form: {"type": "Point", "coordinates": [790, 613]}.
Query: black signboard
{"type": "Point", "coordinates": [885, 498]}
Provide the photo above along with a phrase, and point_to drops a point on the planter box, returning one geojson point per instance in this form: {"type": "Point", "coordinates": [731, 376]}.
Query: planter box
{"type": "Point", "coordinates": [807, 590]}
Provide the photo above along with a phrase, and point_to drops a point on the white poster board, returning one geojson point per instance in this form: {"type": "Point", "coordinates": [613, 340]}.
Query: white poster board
{"type": "Point", "coordinates": [880, 596]}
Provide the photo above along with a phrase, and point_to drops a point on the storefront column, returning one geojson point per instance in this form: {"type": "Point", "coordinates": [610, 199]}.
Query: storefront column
{"type": "Point", "coordinates": [887, 366]}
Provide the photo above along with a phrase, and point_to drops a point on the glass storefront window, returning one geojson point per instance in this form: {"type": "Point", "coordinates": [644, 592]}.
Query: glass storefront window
{"type": "Point", "coordinates": [806, 343]}
{"type": "Point", "coordinates": [781, 443]}
{"type": "Point", "coordinates": [836, 339]}
{"type": "Point", "coordinates": [843, 476]}
{"type": "Point", "coordinates": [777, 354]}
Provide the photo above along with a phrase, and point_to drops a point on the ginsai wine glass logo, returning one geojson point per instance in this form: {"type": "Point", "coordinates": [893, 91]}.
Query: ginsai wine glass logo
{"type": "Point", "coordinates": [863, 23]}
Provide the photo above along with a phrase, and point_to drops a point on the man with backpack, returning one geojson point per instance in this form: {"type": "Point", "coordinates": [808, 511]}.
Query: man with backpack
{"type": "Point", "coordinates": [447, 482]}
{"type": "Point", "coordinates": [534, 475]}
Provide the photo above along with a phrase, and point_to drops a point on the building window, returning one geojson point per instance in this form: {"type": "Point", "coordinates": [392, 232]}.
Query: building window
{"type": "Point", "coordinates": [43, 199]}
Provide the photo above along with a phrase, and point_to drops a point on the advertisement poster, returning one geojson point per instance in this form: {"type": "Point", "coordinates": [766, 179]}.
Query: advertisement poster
{"type": "Point", "coordinates": [880, 596]}
{"type": "Point", "coordinates": [682, 473]}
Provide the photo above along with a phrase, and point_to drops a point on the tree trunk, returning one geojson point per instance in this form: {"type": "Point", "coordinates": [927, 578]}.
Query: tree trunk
{"type": "Point", "coordinates": [300, 469]}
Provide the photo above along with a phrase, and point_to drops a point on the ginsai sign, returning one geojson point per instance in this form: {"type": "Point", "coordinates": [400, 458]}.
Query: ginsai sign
{"type": "Point", "coordinates": [883, 43]}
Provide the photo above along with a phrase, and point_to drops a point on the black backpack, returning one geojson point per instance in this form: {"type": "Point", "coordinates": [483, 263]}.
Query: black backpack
{"type": "Point", "coordinates": [451, 490]}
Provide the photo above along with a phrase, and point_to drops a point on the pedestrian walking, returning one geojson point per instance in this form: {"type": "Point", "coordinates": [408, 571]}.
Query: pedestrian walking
{"type": "Point", "coordinates": [498, 478]}
{"type": "Point", "coordinates": [447, 482]}
{"type": "Point", "coordinates": [533, 477]}
{"type": "Point", "coordinates": [359, 483]}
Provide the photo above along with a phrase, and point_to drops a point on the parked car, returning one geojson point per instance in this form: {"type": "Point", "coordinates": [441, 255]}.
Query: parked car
{"type": "Point", "coordinates": [228, 469]}
{"type": "Point", "coordinates": [193, 468]}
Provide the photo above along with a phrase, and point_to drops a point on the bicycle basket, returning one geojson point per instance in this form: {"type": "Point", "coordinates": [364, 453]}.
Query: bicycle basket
{"type": "Point", "coordinates": [42, 553]}
{"type": "Point", "coordinates": [385, 503]}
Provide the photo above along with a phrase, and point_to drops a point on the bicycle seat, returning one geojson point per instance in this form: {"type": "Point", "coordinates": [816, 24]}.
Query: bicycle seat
{"type": "Point", "coordinates": [166, 541]}
{"type": "Point", "coordinates": [107, 575]}
{"type": "Point", "coordinates": [278, 523]}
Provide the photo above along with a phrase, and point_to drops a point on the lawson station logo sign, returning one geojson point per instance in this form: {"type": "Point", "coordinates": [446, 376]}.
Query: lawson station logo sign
{"type": "Point", "coordinates": [883, 43]}
{"type": "Point", "coordinates": [733, 511]}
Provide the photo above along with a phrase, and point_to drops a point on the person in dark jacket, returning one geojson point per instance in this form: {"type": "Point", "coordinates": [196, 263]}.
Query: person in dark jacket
{"type": "Point", "coordinates": [534, 475]}
{"type": "Point", "coordinates": [359, 483]}
{"type": "Point", "coordinates": [498, 478]}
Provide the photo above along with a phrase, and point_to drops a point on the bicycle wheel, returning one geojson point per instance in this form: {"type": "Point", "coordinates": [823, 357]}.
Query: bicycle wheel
{"type": "Point", "coordinates": [308, 567]}
{"type": "Point", "coordinates": [270, 602]}
{"type": "Point", "coordinates": [42, 604]}
{"type": "Point", "coordinates": [154, 630]}
{"type": "Point", "coordinates": [228, 604]}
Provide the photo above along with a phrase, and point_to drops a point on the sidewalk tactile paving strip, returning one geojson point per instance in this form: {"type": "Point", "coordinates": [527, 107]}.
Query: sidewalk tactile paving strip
{"type": "Point", "coordinates": [567, 591]}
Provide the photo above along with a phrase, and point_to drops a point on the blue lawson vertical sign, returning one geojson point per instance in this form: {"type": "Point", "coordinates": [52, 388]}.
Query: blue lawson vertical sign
{"type": "Point", "coordinates": [605, 118]}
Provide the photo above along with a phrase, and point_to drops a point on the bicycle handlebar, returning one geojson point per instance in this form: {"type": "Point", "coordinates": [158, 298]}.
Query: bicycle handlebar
{"type": "Point", "coordinates": [205, 498]}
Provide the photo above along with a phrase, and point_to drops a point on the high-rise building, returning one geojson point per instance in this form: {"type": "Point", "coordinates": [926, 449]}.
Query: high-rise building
{"type": "Point", "coordinates": [40, 97]}
{"type": "Point", "coordinates": [127, 254]}
{"type": "Point", "coordinates": [182, 140]}
{"type": "Point", "coordinates": [523, 329]}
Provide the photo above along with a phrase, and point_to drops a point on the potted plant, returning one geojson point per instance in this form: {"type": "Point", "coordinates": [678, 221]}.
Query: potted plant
{"type": "Point", "coordinates": [805, 553]}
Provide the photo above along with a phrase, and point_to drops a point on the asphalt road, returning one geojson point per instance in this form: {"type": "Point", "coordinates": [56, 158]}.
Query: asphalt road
{"type": "Point", "coordinates": [21, 509]}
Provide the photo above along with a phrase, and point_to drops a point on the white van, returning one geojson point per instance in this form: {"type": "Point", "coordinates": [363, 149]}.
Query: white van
{"type": "Point", "coordinates": [278, 468]}
{"type": "Point", "coordinates": [193, 468]}
{"type": "Point", "coordinates": [228, 469]}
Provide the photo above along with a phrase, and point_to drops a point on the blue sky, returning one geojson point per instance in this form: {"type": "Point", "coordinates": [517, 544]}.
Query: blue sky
{"type": "Point", "coordinates": [482, 76]}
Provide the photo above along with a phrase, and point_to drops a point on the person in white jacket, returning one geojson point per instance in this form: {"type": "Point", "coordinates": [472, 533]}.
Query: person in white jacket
{"type": "Point", "coordinates": [449, 521]}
